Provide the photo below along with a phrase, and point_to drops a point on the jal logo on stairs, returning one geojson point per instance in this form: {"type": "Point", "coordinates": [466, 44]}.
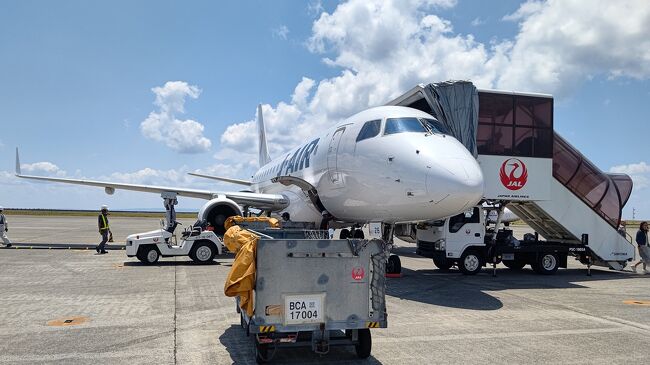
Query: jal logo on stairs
{"type": "Point", "coordinates": [513, 174]}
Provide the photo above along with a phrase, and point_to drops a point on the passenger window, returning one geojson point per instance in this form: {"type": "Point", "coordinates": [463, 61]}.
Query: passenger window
{"type": "Point", "coordinates": [401, 125]}
{"type": "Point", "coordinates": [370, 129]}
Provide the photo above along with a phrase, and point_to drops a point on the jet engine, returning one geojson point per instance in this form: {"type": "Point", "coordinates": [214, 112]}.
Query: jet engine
{"type": "Point", "coordinates": [216, 211]}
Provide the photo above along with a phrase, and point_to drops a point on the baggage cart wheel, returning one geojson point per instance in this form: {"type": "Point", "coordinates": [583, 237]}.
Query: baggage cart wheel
{"type": "Point", "coordinates": [514, 264]}
{"type": "Point", "coordinates": [470, 262]}
{"type": "Point", "coordinates": [148, 254]}
{"type": "Point", "coordinates": [344, 234]}
{"type": "Point", "coordinates": [394, 265]}
{"type": "Point", "coordinates": [547, 264]}
{"type": "Point", "coordinates": [443, 264]}
{"type": "Point", "coordinates": [364, 346]}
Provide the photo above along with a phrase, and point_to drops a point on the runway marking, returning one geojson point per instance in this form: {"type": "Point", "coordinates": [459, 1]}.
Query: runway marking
{"type": "Point", "coordinates": [637, 302]}
{"type": "Point", "coordinates": [68, 321]}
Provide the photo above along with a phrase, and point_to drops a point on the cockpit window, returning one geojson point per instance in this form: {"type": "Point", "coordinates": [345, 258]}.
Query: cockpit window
{"type": "Point", "coordinates": [369, 130]}
{"type": "Point", "coordinates": [401, 125]}
{"type": "Point", "coordinates": [436, 126]}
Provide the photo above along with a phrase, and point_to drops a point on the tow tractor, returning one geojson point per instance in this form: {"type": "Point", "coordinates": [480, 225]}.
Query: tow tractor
{"type": "Point", "coordinates": [198, 242]}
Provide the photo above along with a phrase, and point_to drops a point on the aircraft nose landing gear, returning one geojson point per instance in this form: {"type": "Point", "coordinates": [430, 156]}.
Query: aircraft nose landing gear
{"type": "Point", "coordinates": [394, 264]}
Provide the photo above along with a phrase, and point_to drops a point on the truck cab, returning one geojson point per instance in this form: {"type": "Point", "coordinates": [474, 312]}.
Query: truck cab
{"type": "Point", "coordinates": [449, 241]}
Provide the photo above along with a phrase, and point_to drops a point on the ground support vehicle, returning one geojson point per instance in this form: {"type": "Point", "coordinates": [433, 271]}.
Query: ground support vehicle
{"type": "Point", "coordinates": [200, 244]}
{"type": "Point", "coordinates": [316, 293]}
{"type": "Point", "coordinates": [463, 240]}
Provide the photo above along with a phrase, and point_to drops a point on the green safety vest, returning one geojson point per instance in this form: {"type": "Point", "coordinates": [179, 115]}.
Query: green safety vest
{"type": "Point", "coordinates": [104, 221]}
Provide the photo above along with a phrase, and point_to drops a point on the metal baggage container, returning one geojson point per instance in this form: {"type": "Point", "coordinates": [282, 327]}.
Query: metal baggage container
{"type": "Point", "coordinates": [316, 292]}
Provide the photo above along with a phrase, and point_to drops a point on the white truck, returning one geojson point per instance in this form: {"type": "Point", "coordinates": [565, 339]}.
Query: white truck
{"type": "Point", "coordinates": [197, 242]}
{"type": "Point", "coordinates": [466, 241]}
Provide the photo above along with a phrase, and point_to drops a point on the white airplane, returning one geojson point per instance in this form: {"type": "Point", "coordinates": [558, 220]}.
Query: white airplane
{"type": "Point", "coordinates": [386, 164]}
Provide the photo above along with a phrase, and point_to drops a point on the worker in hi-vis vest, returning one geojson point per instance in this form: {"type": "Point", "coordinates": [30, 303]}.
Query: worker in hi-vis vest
{"type": "Point", "coordinates": [4, 227]}
{"type": "Point", "coordinates": [102, 222]}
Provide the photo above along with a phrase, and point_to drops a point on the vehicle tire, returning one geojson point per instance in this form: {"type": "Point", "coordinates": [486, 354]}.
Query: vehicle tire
{"type": "Point", "coordinates": [202, 252]}
{"type": "Point", "coordinates": [364, 346]}
{"type": "Point", "coordinates": [261, 353]}
{"type": "Point", "coordinates": [344, 234]}
{"type": "Point", "coordinates": [148, 254]}
{"type": "Point", "coordinates": [470, 262]}
{"type": "Point", "coordinates": [358, 234]}
{"type": "Point", "coordinates": [547, 264]}
{"type": "Point", "coordinates": [514, 264]}
{"type": "Point", "coordinates": [394, 265]}
{"type": "Point", "coordinates": [443, 264]}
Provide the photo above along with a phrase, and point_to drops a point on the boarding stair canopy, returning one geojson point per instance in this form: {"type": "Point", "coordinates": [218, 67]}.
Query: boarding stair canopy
{"type": "Point", "coordinates": [454, 104]}
{"type": "Point", "coordinates": [583, 199]}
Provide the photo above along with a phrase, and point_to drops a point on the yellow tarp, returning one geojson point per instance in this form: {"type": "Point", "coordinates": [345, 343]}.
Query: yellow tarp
{"type": "Point", "coordinates": [241, 278]}
{"type": "Point", "coordinates": [236, 219]}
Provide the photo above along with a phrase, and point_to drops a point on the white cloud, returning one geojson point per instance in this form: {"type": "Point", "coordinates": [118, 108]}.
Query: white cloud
{"type": "Point", "coordinates": [281, 32]}
{"type": "Point", "coordinates": [184, 136]}
{"type": "Point", "coordinates": [44, 167]}
{"type": "Point", "coordinates": [477, 22]}
{"type": "Point", "coordinates": [562, 42]}
{"type": "Point", "coordinates": [632, 169]}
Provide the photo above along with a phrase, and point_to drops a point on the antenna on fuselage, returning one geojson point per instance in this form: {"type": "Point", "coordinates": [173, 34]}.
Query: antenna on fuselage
{"type": "Point", "coordinates": [261, 132]}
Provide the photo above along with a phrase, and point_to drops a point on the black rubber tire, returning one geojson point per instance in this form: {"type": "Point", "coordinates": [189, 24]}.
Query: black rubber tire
{"type": "Point", "coordinates": [344, 234]}
{"type": "Point", "coordinates": [202, 258]}
{"type": "Point", "coordinates": [261, 353]}
{"type": "Point", "coordinates": [364, 347]}
{"type": "Point", "coordinates": [514, 264]}
{"type": "Point", "coordinates": [394, 265]}
{"type": "Point", "coordinates": [470, 263]}
{"type": "Point", "coordinates": [546, 264]}
{"type": "Point", "coordinates": [358, 234]}
{"type": "Point", "coordinates": [443, 264]}
{"type": "Point", "coordinates": [144, 257]}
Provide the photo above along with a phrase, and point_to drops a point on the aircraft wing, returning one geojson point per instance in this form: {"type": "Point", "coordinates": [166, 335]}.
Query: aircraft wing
{"type": "Point", "coordinates": [225, 179]}
{"type": "Point", "coordinates": [256, 200]}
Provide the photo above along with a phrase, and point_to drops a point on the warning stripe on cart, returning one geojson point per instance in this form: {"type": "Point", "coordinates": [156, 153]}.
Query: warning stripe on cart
{"type": "Point", "coordinates": [265, 329]}
{"type": "Point", "coordinates": [372, 324]}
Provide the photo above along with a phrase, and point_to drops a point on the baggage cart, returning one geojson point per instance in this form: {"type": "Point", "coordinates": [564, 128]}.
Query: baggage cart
{"type": "Point", "coordinates": [316, 292]}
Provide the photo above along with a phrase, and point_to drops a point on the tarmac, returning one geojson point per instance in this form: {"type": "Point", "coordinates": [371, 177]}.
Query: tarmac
{"type": "Point", "coordinates": [74, 306]}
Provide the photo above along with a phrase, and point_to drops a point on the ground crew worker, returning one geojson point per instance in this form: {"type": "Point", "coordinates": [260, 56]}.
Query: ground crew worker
{"type": "Point", "coordinates": [4, 227]}
{"type": "Point", "coordinates": [102, 223]}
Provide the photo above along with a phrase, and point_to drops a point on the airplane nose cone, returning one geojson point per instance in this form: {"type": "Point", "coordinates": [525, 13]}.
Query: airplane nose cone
{"type": "Point", "coordinates": [457, 184]}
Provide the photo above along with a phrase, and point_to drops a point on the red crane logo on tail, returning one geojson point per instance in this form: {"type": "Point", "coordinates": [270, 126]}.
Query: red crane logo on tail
{"type": "Point", "coordinates": [513, 174]}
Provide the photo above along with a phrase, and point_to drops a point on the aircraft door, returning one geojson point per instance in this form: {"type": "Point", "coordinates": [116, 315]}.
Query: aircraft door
{"type": "Point", "coordinates": [332, 157]}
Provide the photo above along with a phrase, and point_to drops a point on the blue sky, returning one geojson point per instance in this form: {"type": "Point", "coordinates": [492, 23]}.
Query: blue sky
{"type": "Point", "coordinates": [102, 90]}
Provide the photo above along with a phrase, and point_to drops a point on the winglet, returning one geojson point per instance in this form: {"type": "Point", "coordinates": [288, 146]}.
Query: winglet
{"type": "Point", "coordinates": [17, 163]}
{"type": "Point", "coordinates": [261, 131]}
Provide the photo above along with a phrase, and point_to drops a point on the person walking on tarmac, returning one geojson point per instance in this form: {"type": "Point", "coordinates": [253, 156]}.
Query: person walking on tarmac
{"type": "Point", "coordinates": [644, 248]}
{"type": "Point", "coordinates": [4, 227]}
{"type": "Point", "coordinates": [104, 229]}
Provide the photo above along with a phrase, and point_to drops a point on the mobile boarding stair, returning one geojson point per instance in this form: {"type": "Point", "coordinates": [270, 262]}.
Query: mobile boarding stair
{"type": "Point", "coordinates": [584, 201]}
{"type": "Point", "coordinates": [545, 181]}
